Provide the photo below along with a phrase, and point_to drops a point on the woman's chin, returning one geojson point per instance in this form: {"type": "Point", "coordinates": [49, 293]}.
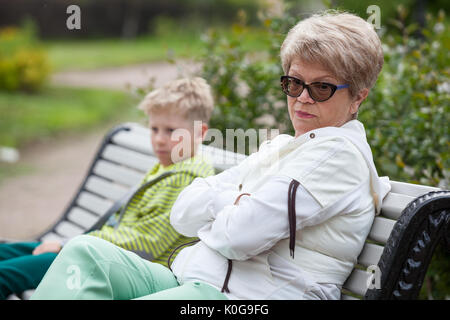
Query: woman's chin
{"type": "Point", "coordinates": [302, 127]}
{"type": "Point", "coordinates": [300, 132]}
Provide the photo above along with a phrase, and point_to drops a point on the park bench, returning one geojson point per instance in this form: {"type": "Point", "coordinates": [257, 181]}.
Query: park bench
{"type": "Point", "coordinates": [392, 264]}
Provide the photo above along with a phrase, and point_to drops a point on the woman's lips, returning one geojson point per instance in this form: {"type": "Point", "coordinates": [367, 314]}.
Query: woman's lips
{"type": "Point", "coordinates": [304, 115]}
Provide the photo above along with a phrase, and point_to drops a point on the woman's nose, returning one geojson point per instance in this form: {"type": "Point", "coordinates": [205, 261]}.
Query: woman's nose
{"type": "Point", "coordinates": [305, 97]}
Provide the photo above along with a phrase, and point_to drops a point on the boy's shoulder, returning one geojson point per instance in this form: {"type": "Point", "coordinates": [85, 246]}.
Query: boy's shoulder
{"type": "Point", "coordinates": [181, 172]}
{"type": "Point", "coordinates": [197, 166]}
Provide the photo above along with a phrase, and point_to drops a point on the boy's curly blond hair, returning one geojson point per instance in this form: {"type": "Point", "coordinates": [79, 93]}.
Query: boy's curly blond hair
{"type": "Point", "coordinates": [191, 98]}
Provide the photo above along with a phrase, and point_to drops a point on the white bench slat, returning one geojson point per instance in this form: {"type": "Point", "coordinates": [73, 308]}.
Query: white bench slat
{"type": "Point", "coordinates": [117, 173]}
{"type": "Point", "coordinates": [138, 139]}
{"type": "Point", "coordinates": [393, 205]}
{"type": "Point", "coordinates": [94, 203]}
{"type": "Point", "coordinates": [82, 217]}
{"type": "Point", "coordinates": [51, 236]}
{"type": "Point", "coordinates": [105, 188]}
{"type": "Point", "coordinates": [381, 229]}
{"type": "Point", "coordinates": [129, 158]}
{"type": "Point", "coordinates": [135, 141]}
{"type": "Point", "coordinates": [357, 282]}
{"type": "Point", "coordinates": [139, 129]}
{"type": "Point", "coordinates": [370, 254]}
{"type": "Point", "coordinates": [68, 230]}
{"type": "Point", "coordinates": [410, 189]}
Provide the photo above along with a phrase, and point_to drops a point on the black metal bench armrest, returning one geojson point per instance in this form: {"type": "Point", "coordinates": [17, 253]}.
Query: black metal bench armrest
{"type": "Point", "coordinates": [405, 259]}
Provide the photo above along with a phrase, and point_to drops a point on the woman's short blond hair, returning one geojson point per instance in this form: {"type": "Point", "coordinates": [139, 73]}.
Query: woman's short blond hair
{"type": "Point", "coordinates": [341, 42]}
{"type": "Point", "coordinates": [191, 98]}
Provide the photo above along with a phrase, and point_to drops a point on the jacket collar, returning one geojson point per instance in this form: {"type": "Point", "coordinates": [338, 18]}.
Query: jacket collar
{"type": "Point", "coordinates": [354, 131]}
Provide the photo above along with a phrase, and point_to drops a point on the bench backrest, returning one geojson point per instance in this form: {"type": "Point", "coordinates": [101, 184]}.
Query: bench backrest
{"type": "Point", "coordinates": [398, 198]}
{"type": "Point", "coordinates": [122, 160]}
{"type": "Point", "coordinates": [126, 155]}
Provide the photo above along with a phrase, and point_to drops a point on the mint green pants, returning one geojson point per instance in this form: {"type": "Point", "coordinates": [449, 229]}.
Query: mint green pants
{"type": "Point", "coordinates": [92, 268]}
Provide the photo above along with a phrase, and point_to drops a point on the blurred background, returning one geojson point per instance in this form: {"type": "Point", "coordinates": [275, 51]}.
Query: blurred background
{"type": "Point", "coordinates": [62, 88]}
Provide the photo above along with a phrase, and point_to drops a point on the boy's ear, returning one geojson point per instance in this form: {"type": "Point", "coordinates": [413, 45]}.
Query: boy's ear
{"type": "Point", "coordinates": [200, 134]}
{"type": "Point", "coordinates": [205, 128]}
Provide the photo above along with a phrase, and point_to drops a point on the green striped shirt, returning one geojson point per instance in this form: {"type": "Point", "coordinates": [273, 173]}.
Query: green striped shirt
{"type": "Point", "coordinates": [145, 226]}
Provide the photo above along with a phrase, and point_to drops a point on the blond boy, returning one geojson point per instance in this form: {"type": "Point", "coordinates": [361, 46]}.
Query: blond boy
{"type": "Point", "coordinates": [144, 228]}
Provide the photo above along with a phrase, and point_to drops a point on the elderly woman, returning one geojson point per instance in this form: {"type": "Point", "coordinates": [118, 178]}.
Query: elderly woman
{"type": "Point", "coordinates": [288, 222]}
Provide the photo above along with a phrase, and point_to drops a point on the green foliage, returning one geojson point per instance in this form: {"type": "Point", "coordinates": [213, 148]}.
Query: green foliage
{"type": "Point", "coordinates": [406, 114]}
{"type": "Point", "coordinates": [437, 280]}
{"type": "Point", "coordinates": [246, 83]}
{"type": "Point", "coordinates": [23, 65]}
{"type": "Point", "coordinates": [388, 8]}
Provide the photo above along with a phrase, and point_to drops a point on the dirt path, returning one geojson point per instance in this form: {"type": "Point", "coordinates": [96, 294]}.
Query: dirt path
{"type": "Point", "coordinates": [124, 77]}
{"type": "Point", "coordinates": [30, 203]}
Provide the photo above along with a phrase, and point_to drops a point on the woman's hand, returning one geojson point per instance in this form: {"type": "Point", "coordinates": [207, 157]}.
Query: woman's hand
{"type": "Point", "coordinates": [47, 246]}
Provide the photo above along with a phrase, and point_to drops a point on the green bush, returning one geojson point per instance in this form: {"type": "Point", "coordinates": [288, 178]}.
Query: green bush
{"type": "Point", "coordinates": [245, 83]}
{"type": "Point", "coordinates": [23, 65]}
{"type": "Point", "coordinates": [406, 114]}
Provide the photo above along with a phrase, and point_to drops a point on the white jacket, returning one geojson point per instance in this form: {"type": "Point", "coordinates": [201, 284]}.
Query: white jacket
{"type": "Point", "coordinates": [339, 193]}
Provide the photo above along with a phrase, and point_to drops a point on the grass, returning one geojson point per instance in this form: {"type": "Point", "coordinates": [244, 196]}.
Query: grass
{"type": "Point", "coordinates": [26, 117]}
{"type": "Point", "coordinates": [100, 53]}
{"type": "Point", "coordinates": [90, 54]}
